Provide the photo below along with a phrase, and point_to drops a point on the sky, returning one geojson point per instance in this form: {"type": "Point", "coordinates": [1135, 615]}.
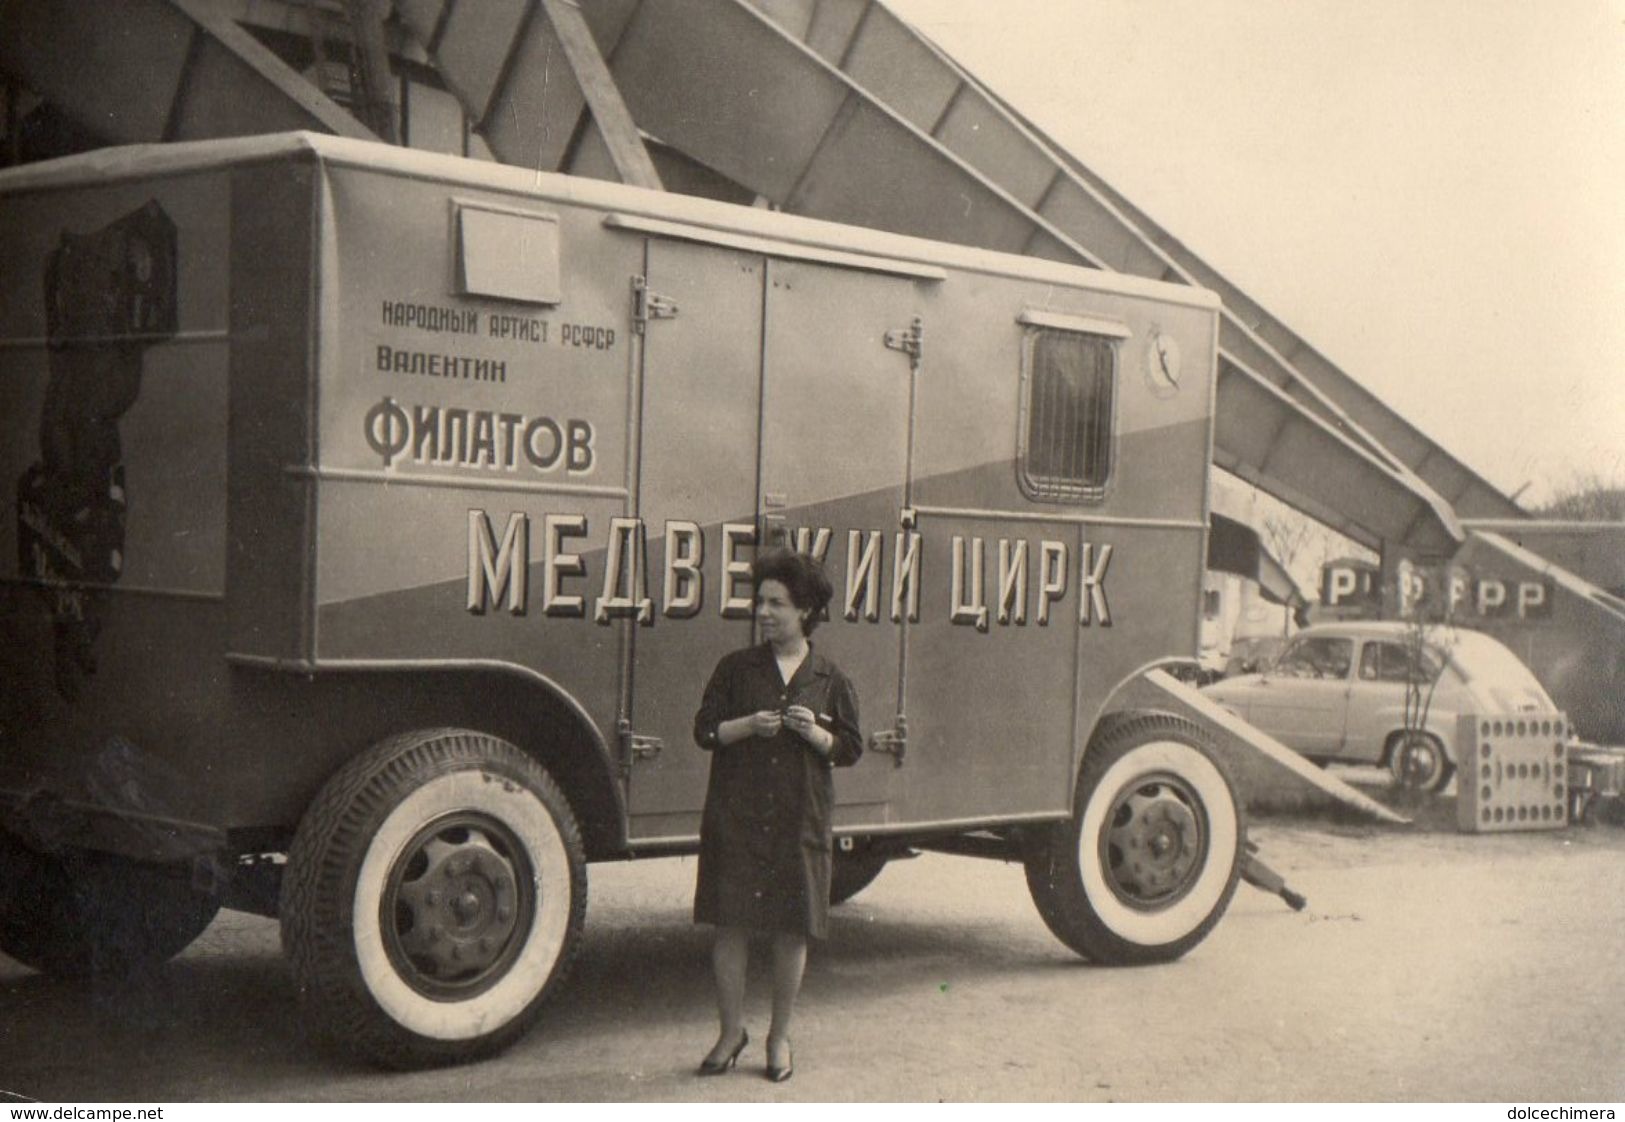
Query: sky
{"type": "Point", "coordinates": [1431, 192]}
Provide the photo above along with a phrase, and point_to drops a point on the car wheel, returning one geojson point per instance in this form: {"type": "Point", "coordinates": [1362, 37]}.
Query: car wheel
{"type": "Point", "coordinates": [434, 898]}
{"type": "Point", "coordinates": [79, 914]}
{"type": "Point", "coordinates": [1149, 860]}
{"type": "Point", "coordinates": [1418, 763]}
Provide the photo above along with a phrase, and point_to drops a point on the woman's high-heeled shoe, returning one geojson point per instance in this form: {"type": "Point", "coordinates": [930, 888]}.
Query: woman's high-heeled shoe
{"type": "Point", "coordinates": [708, 1066]}
{"type": "Point", "coordinates": [781, 1074]}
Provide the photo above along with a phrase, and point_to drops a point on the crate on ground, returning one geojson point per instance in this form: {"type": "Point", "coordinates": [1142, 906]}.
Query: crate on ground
{"type": "Point", "coordinates": [1513, 773]}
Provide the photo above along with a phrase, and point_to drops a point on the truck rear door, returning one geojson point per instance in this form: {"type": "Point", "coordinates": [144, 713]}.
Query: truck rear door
{"type": "Point", "coordinates": [835, 432]}
{"type": "Point", "coordinates": [772, 410]}
{"type": "Point", "coordinates": [701, 401]}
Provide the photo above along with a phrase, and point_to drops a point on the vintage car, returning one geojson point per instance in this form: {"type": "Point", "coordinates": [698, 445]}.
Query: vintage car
{"type": "Point", "coordinates": [1341, 691]}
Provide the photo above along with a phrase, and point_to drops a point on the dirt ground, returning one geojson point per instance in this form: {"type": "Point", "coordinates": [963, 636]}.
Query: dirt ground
{"type": "Point", "coordinates": [1428, 966]}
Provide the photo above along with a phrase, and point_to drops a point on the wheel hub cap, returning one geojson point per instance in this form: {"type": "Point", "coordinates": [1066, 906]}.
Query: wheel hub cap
{"type": "Point", "coordinates": [458, 900]}
{"type": "Point", "coordinates": [1153, 844]}
{"type": "Point", "coordinates": [1420, 763]}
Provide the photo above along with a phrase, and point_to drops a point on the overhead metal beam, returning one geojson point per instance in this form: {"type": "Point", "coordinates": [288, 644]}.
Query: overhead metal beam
{"type": "Point", "coordinates": [1268, 439]}
{"type": "Point", "coordinates": [905, 70]}
{"type": "Point", "coordinates": [995, 135]}
{"type": "Point", "coordinates": [720, 82]}
{"type": "Point", "coordinates": [379, 103]}
{"type": "Point", "coordinates": [149, 70]}
{"type": "Point", "coordinates": [532, 78]}
{"type": "Point", "coordinates": [620, 135]}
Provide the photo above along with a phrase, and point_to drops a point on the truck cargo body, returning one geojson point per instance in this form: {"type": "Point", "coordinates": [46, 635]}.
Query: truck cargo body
{"type": "Point", "coordinates": [335, 431]}
{"type": "Point", "coordinates": [315, 443]}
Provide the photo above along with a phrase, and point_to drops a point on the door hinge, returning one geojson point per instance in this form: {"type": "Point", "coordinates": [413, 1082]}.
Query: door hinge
{"type": "Point", "coordinates": [893, 741]}
{"type": "Point", "coordinates": [647, 305]}
{"type": "Point", "coordinates": [910, 340]}
{"type": "Point", "coordinates": [635, 747]}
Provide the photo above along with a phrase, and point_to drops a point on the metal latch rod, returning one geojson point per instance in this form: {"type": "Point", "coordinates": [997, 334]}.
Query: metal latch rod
{"type": "Point", "coordinates": [647, 305]}
{"type": "Point", "coordinates": [893, 741]}
{"type": "Point", "coordinates": [635, 747]}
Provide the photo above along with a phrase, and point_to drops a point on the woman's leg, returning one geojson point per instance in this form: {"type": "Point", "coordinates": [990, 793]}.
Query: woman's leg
{"type": "Point", "coordinates": [729, 957]}
{"type": "Point", "coordinates": [789, 962]}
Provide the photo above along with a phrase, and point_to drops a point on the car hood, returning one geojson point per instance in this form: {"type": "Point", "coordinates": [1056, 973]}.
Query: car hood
{"type": "Point", "coordinates": [1233, 691]}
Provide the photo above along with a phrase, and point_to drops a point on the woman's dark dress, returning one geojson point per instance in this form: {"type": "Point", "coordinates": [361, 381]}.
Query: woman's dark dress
{"type": "Point", "coordinates": [765, 835]}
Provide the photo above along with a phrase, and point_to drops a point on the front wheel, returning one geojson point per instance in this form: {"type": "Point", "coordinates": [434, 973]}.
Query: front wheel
{"type": "Point", "coordinates": [1149, 860]}
{"type": "Point", "coordinates": [434, 897]}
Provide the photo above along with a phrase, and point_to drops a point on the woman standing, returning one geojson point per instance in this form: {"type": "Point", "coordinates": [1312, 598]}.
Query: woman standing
{"type": "Point", "coordinates": [776, 718]}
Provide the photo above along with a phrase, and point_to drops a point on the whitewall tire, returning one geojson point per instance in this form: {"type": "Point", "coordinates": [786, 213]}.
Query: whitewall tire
{"type": "Point", "coordinates": [434, 897]}
{"type": "Point", "coordinates": [1150, 858]}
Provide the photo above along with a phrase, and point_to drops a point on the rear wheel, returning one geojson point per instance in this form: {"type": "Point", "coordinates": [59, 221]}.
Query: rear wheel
{"type": "Point", "coordinates": [77, 913]}
{"type": "Point", "coordinates": [434, 898]}
{"type": "Point", "coordinates": [1418, 763]}
{"type": "Point", "coordinates": [1149, 860]}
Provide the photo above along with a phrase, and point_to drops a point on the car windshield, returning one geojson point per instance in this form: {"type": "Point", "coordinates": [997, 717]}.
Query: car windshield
{"type": "Point", "coordinates": [1316, 656]}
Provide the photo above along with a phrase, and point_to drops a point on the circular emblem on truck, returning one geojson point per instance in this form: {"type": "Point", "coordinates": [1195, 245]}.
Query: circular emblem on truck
{"type": "Point", "coordinates": [1162, 364]}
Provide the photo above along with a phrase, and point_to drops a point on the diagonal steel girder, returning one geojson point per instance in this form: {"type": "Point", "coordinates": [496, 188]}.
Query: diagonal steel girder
{"type": "Point", "coordinates": [531, 80]}
{"type": "Point", "coordinates": [902, 68]}
{"type": "Point", "coordinates": [730, 88]}
{"type": "Point", "coordinates": [142, 71]}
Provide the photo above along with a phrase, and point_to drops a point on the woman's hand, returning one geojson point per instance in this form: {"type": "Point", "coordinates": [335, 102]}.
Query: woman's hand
{"type": "Point", "coordinates": [801, 721]}
{"type": "Point", "coordinates": [765, 722]}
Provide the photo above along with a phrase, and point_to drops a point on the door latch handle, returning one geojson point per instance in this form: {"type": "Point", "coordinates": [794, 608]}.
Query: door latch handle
{"type": "Point", "coordinates": [910, 340]}
{"type": "Point", "coordinates": [639, 747]}
{"type": "Point", "coordinates": [647, 305]}
{"type": "Point", "coordinates": [892, 742]}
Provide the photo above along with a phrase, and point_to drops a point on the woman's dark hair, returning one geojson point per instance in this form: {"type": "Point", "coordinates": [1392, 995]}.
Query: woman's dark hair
{"type": "Point", "coordinates": [802, 576]}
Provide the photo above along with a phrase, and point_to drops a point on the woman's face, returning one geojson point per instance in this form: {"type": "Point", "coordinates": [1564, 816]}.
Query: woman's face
{"type": "Point", "coordinates": [776, 614]}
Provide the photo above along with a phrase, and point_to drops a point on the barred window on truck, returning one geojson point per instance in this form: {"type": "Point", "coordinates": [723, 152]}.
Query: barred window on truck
{"type": "Point", "coordinates": [1067, 414]}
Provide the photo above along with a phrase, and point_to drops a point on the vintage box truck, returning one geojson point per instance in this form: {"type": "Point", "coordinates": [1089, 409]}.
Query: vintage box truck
{"type": "Point", "coordinates": [374, 519]}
